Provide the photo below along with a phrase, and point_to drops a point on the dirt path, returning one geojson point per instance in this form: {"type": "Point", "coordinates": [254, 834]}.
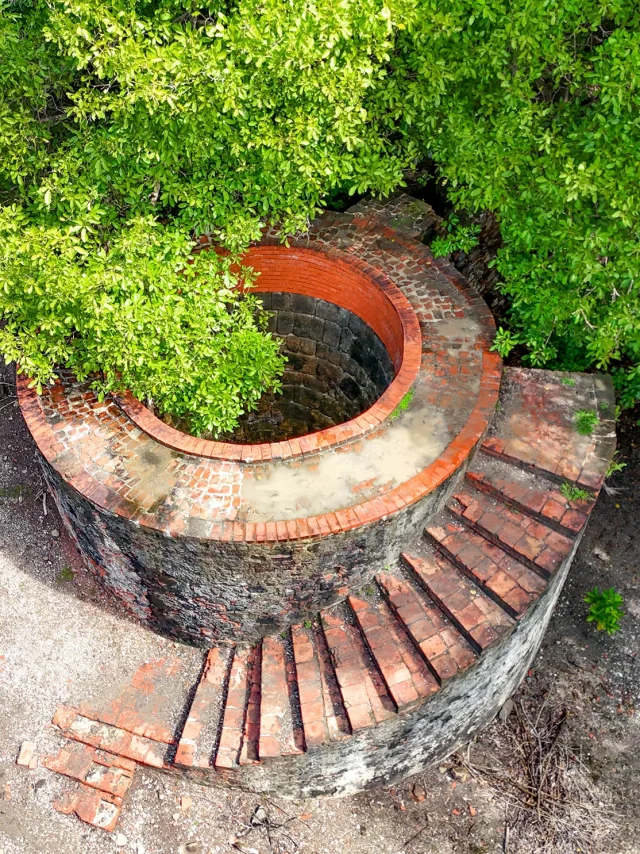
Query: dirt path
{"type": "Point", "coordinates": [56, 634]}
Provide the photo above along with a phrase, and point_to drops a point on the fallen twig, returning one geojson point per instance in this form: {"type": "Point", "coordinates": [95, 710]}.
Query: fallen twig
{"type": "Point", "coordinates": [551, 806]}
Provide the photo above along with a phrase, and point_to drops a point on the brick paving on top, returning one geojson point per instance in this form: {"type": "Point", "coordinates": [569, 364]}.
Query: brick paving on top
{"type": "Point", "coordinates": [127, 461]}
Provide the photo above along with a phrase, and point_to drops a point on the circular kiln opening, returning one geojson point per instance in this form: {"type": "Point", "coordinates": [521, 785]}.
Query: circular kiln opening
{"type": "Point", "coordinates": [337, 367]}
{"type": "Point", "coordinates": [353, 343]}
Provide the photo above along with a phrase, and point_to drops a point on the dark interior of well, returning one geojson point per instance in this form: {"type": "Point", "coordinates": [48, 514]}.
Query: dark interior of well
{"type": "Point", "coordinates": [337, 367]}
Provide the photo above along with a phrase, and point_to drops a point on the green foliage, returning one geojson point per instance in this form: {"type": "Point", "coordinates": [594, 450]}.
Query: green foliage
{"type": "Point", "coordinates": [402, 406]}
{"type": "Point", "coordinates": [146, 315]}
{"type": "Point", "coordinates": [605, 609]}
{"type": "Point", "coordinates": [532, 110]}
{"type": "Point", "coordinates": [504, 342]}
{"type": "Point", "coordinates": [129, 128]}
{"type": "Point", "coordinates": [585, 421]}
{"type": "Point", "coordinates": [126, 117]}
{"type": "Point", "coordinates": [457, 237]}
{"type": "Point", "coordinates": [568, 381]}
{"type": "Point", "coordinates": [66, 574]}
{"type": "Point", "coordinates": [574, 493]}
{"type": "Point", "coordinates": [614, 466]}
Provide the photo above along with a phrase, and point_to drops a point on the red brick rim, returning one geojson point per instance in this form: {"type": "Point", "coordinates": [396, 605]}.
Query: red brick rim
{"type": "Point", "coordinates": [312, 527]}
{"type": "Point", "coordinates": [316, 527]}
{"type": "Point", "coordinates": [376, 300]}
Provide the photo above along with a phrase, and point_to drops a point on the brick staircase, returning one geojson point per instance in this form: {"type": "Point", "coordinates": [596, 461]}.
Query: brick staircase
{"type": "Point", "coordinates": [323, 693]}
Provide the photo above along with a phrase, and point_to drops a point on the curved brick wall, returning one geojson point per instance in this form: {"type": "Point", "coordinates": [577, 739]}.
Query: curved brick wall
{"type": "Point", "coordinates": [406, 743]}
{"type": "Point", "coordinates": [214, 541]}
{"type": "Point", "coordinates": [440, 550]}
{"type": "Point", "coordinates": [337, 367]}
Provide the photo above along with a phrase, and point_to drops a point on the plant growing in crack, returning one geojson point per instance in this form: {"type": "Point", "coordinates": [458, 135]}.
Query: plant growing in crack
{"type": "Point", "coordinates": [586, 421]}
{"type": "Point", "coordinates": [402, 406]}
{"type": "Point", "coordinates": [573, 493]}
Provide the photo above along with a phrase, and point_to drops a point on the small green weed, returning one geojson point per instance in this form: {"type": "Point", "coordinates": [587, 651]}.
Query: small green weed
{"type": "Point", "coordinates": [403, 405]}
{"type": "Point", "coordinates": [16, 491]}
{"type": "Point", "coordinates": [573, 493]}
{"type": "Point", "coordinates": [308, 624]}
{"type": "Point", "coordinates": [66, 574]}
{"type": "Point", "coordinates": [568, 381]}
{"type": "Point", "coordinates": [605, 609]}
{"type": "Point", "coordinates": [615, 466]}
{"type": "Point", "coordinates": [585, 421]}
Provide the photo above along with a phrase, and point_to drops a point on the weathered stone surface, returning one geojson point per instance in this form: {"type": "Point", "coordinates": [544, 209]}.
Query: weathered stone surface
{"type": "Point", "coordinates": [402, 671]}
{"type": "Point", "coordinates": [256, 537]}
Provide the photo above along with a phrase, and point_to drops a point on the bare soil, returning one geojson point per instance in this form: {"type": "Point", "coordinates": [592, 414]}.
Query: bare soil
{"type": "Point", "coordinates": [58, 636]}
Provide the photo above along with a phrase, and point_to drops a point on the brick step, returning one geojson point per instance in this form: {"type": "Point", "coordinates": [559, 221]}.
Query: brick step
{"type": "Point", "coordinates": [536, 428]}
{"type": "Point", "coordinates": [249, 751]}
{"type": "Point", "coordinates": [111, 739]}
{"type": "Point", "coordinates": [199, 738]}
{"type": "Point", "coordinates": [366, 699]}
{"type": "Point", "coordinates": [536, 496]}
{"type": "Point", "coordinates": [477, 617]}
{"type": "Point", "coordinates": [150, 702]}
{"type": "Point", "coordinates": [444, 648]}
{"type": "Point", "coordinates": [236, 738]}
{"type": "Point", "coordinates": [533, 543]}
{"type": "Point", "coordinates": [279, 713]}
{"type": "Point", "coordinates": [405, 673]}
{"type": "Point", "coordinates": [324, 717]}
{"type": "Point", "coordinates": [509, 582]}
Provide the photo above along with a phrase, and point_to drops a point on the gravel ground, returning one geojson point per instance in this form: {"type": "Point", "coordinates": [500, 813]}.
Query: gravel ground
{"type": "Point", "coordinates": [59, 639]}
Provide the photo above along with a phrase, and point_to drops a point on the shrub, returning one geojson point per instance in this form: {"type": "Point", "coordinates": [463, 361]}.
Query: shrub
{"type": "Point", "coordinates": [147, 315]}
{"type": "Point", "coordinates": [532, 110]}
{"type": "Point", "coordinates": [605, 609]}
{"type": "Point", "coordinates": [129, 128]}
{"type": "Point", "coordinates": [116, 115]}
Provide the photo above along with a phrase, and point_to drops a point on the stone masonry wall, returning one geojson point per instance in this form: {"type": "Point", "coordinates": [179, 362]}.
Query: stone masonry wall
{"type": "Point", "coordinates": [337, 367]}
{"type": "Point", "coordinates": [203, 591]}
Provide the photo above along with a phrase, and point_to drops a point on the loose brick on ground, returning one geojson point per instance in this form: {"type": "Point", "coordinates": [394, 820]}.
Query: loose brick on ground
{"type": "Point", "coordinates": [100, 809]}
{"type": "Point", "coordinates": [92, 767]}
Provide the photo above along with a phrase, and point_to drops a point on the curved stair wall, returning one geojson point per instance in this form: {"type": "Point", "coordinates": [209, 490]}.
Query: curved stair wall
{"type": "Point", "coordinates": [413, 646]}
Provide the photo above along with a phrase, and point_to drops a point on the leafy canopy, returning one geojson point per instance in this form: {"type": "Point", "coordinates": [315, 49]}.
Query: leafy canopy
{"type": "Point", "coordinates": [531, 108]}
{"type": "Point", "coordinates": [130, 127]}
